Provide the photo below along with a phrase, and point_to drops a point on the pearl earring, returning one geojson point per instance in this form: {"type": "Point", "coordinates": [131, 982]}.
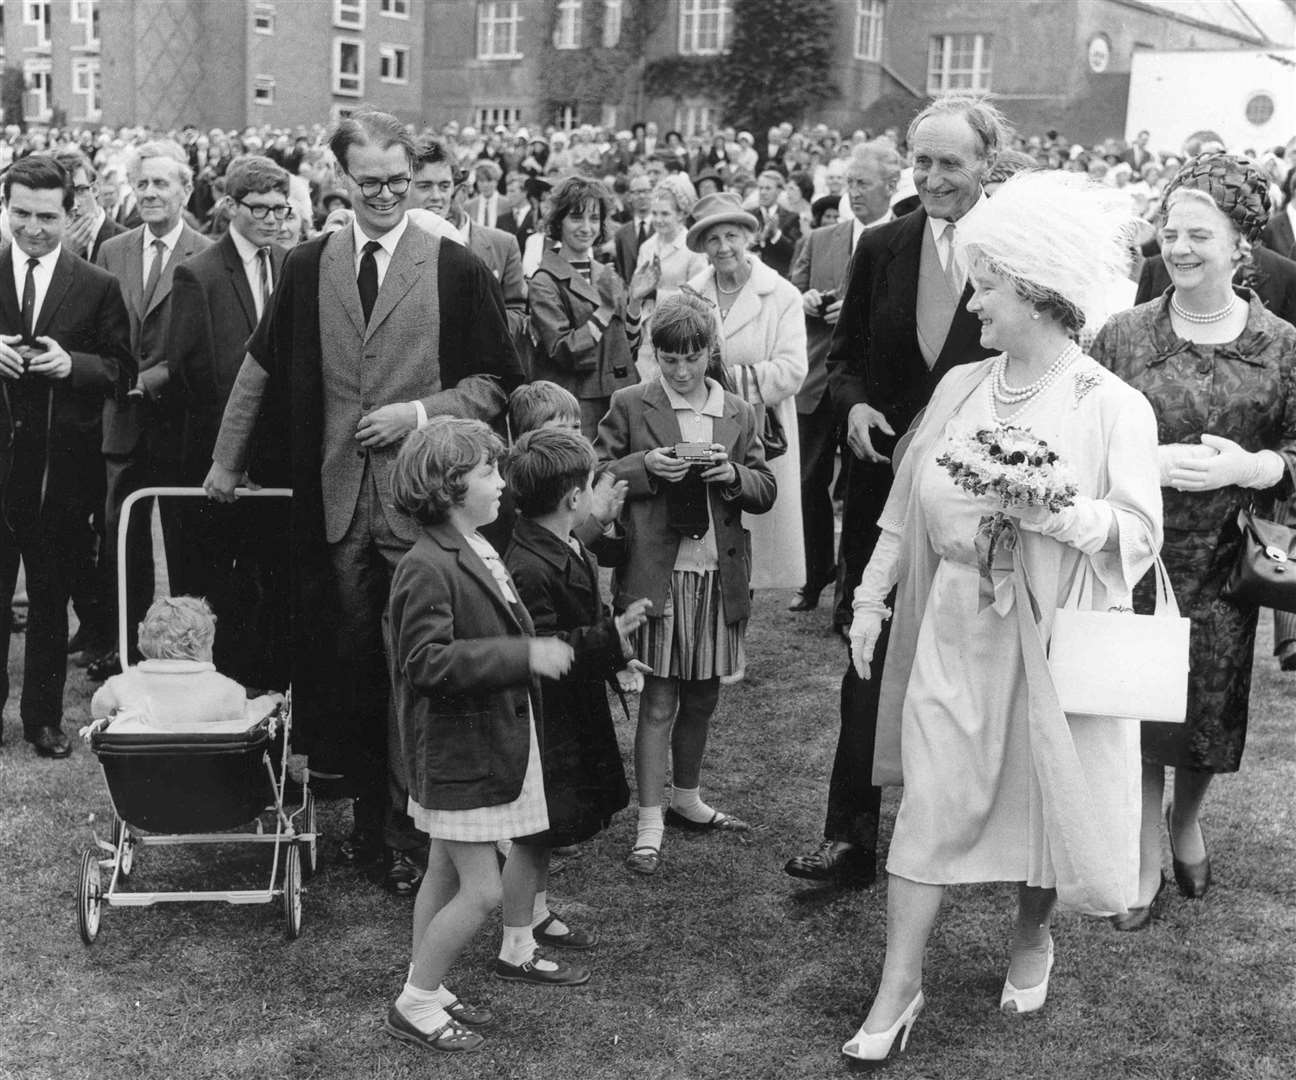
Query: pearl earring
{"type": "Point", "coordinates": [1035, 315]}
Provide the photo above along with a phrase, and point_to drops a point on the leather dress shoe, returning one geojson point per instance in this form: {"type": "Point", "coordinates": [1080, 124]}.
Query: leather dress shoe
{"type": "Point", "coordinates": [104, 667]}
{"type": "Point", "coordinates": [401, 872]}
{"type": "Point", "coordinates": [562, 975]}
{"type": "Point", "coordinates": [360, 849]}
{"type": "Point", "coordinates": [1193, 879]}
{"type": "Point", "coordinates": [718, 822]}
{"type": "Point", "coordinates": [50, 742]}
{"type": "Point", "coordinates": [573, 939]}
{"type": "Point", "coordinates": [846, 867]}
{"type": "Point", "coordinates": [805, 601]}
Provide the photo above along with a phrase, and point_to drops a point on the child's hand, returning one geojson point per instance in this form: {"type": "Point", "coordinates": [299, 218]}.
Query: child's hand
{"type": "Point", "coordinates": [722, 470]}
{"type": "Point", "coordinates": [550, 658]}
{"type": "Point", "coordinates": [607, 496]}
{"type": "Point", "coordinates": [661, 462]}
{"type": "Point", "coordinates": [633, 617]}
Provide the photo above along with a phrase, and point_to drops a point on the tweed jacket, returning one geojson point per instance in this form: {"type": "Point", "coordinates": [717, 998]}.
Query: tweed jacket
{"type": "Point", "coordinates": [640, 418]}
{"type": "Point", "coordinates": [822, 262]}
{"type": "Point", "coordinates": [461, 676]}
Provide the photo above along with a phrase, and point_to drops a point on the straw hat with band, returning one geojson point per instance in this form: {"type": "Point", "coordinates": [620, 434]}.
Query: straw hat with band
{"type": "Point", "coordinates": [721, 208]}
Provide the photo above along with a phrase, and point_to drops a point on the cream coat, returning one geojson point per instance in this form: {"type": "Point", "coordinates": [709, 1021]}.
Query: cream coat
{"type": "Point", "coordinates": [765, 330]}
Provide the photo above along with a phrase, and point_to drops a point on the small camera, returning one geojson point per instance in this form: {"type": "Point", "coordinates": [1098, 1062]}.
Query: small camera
{"type": "Point", "coordinates": [695, 453]}
{"type": "Point", "coordinates": [826, 300]}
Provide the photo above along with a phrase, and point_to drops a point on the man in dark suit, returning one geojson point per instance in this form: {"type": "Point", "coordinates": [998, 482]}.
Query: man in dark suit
{"type": "Point", "coordinates": [903, 323]}
{"type": "Point", "coordinates": [374, 329]}
{"type": "Point", "coordinates": [1137, 155]}
{"type": "Point", "coordinates": [1280, 234]}
{"type": "Point", "coordinates": [142, 434]}
{"type": "Point", "coordinates": [64, 348]}
{"type": "Point", "coordinates": [524, 220]}
{"type": "Point", "coordinates": [780, 229]}
{"type": "Point", "coordinates": [232, 555]}
{"type": "Point", "coordinates": [638, 227]}
{"type": "Point", "coordinates": [820, 271]}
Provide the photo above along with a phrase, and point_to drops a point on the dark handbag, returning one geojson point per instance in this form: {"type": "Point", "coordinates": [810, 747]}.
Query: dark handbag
{"type": "Point", "coordinates": [772, 433]}
{"type": "Point", "coordinates": [1265, 572]}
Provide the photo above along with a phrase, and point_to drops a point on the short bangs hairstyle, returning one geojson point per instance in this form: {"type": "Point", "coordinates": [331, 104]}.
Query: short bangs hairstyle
{"type": "Point", "coordinates": [430, 476]}
{"type": "Point", "coordinates": [533, 405]}
{"type": "Point", "coordinates": [254, 174]}
{"type": "Point", "coordinates": [177, 628]}
{"type": "Point", "coordinates": [683, 324]}
{"type": "Point", "coordinates": [40, 173]}
{"type": "Point", "coordinates": [544, 466]}
{"type": "Point", "coordinates": [570, 197]}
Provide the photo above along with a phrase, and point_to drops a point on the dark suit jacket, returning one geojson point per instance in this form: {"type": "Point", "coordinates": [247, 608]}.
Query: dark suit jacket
{"type": "Point", "coordinates": [874, 357]}
{"type": "Point", "coordinates": [107, 231]}
{"type": "Point", "coordinates": [521, 227]}
{"type": "Point", "coordinates": [499, 250]}
{"type": "Point", "coordinates": [626, 248]}
{"type": "Point", "coordinates": [822, 262]}
{"type": "Point", "coordinates": [778, 254]}
{"type": "Point", "coordinates": [1278, 236]}
{"type": "Point", "coordinates": [84, 312]}
{"type": "Point", "coordinates": [213, 313]}
{"type": "Point", "coordinates": [1275, 281]}
{"type": "Point", "coordinates": [155, 417]}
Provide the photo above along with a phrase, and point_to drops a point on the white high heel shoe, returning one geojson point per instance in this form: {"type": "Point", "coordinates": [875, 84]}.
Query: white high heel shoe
{"type": "Point", "coordinates": [865, 1046]}
{"type": "Point", "coordinates": [1032, 998]}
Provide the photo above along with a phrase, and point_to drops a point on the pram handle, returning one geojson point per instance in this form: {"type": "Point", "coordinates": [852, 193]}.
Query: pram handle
{"type": "Point", "coordinates": [123, 526]}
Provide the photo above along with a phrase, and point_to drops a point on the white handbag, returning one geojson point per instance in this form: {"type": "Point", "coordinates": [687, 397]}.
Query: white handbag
{"type": "Point", "coordinates": [1116, 663]}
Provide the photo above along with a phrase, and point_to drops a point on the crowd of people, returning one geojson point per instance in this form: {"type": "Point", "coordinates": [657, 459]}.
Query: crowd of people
{"type": "Point", "coordinates": [488, 364]}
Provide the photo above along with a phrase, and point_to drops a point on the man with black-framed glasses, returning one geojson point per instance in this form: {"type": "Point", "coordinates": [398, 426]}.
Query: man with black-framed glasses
{"type": "Point", "coordinates": [231, 555]}
{"type": "Point", "coordinates": [375, 328]}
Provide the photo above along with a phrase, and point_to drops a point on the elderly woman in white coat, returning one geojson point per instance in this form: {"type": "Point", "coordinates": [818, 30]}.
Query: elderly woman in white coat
{"type": "Point", "coordinates": [763, 340]}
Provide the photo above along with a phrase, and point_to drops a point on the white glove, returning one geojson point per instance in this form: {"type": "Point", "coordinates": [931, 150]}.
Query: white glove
{"type": "Point", "coordinates": [865, 629]}
{"type": "Point", "coordinates": [869, 602]}
{"type": "Point", "coordinates": [1085, 525]}
{"type": "Point", "coordinates": [1229, 466]}
{"type": "Point", "coordinates": [1170, 456]}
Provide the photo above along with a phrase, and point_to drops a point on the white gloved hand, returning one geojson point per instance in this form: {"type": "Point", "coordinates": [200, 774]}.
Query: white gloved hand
{"type": "Point", "coordinates": [1229, 466]}
{"type": "Point", "coordinates": [1086, 524]}
{"type": "Point", "coordinates": [865, 629]}
{"type": "Point", "coordinates": [1171, 456]}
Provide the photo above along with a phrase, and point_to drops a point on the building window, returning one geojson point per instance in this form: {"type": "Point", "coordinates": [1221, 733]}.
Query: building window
{"type": "Point", "coordinates": [567, 25]}
{"type": "Point", "coordinates": [704, 26]}
{"type": "Point", "coordinates": [263, 88]}
{"type": "Point", "coordinates": [397, 9]}
{"type": "Point", "coordinates": [490, 117]}
{"type": "Point", "coordinates": [348, 67]}
{"type": "Point", "coordinates": [567, 116]}
{"type": "Point", "coordinates": [86, 12]}
{"type": "Point", "coordinates": [1260, 108]}
{"type": "Point", "coordinates": [37, 13]}
{"type": "Point", "coordinates": [612, 23]}
{"type": "Point", "coordinates": [348, 14]}
{"type": "Point", "coordinates": [868, 29]}
{"type": "Point", "coordinates": [263, 18]}
{"type": "Point", "coordinates": [339, 111]}
{"type": "Point", "coordinates": [696, 118]}
{"type": "Point", "coordinates": [958, 62]}
{"type": "Point", "coordinates": [87, 84]}
{"type": "Point", "coordinates": [393, 63]}
{"type": "Point", "coordinates": [36, 101]}
{"type": "Point", "coordinates": [497, 30]}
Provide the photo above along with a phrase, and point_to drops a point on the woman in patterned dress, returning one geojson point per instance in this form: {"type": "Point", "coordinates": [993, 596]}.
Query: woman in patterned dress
{"type": "Point", "coordinates": [1219, 371]}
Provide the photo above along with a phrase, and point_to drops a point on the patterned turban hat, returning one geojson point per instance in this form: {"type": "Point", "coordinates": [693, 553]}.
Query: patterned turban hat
{"type": "Point", "coordinates": [1237, 186]}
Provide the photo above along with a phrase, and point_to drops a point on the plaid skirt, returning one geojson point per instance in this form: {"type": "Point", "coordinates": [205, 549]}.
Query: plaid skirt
{"type": "Point", "coordinates": [691, 638]}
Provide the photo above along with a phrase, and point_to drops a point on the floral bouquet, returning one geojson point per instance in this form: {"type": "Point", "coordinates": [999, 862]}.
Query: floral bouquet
{"type": "Point", "coordinates": [1009, 464]}
{"type": "Point", "coordinates": [1019, 470]}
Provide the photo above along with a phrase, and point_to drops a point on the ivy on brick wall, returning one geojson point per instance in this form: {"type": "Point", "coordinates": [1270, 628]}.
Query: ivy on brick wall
{"type": "Point", "coordinates": [684, 76]}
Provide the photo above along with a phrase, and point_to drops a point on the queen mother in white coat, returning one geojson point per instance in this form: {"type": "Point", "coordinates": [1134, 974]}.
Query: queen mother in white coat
{"type": "Point", "coordinates": [763, 341]}
{"type": "Point", "coordinates": [999, 784]}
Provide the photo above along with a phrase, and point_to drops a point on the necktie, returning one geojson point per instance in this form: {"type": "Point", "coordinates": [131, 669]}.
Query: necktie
{"type": "Point", "coordinates": [263, 273]}
{"type": "Point", "coordinates": [29, 301]}
{"type": "Point", "coordinates": [368, 280]}
{"type": "Point", "coordinates": [643, 232]}
{"type": "Point", "coordinates": [952, 274]}
{"type": "Point", "coordinates": [155, 272]}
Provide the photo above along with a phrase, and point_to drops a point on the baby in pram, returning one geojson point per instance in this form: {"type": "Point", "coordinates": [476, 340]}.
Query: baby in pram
{"type": "Point", "coordinates": [176, 687]}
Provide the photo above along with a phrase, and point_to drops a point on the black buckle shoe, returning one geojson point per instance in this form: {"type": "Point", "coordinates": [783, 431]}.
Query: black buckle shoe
{"type": "Point", "coordinates": [846, 867]}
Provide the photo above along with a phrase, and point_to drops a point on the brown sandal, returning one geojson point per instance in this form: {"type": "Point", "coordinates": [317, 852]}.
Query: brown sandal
{"type": "Point", "coordinates": [644, 860]}
{"type": "Point", "coordinates": [450, 1038]}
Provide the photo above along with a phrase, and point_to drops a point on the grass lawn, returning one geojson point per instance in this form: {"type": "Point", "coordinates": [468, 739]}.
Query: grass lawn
{"type": "Point", "coordinates": [719, 967]}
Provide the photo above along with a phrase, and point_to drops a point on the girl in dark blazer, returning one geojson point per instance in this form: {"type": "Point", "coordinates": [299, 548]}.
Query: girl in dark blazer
{"type": "Point", "coordinates": [693, 458]}
{"type": "Point", "coordinates": [464, 668]}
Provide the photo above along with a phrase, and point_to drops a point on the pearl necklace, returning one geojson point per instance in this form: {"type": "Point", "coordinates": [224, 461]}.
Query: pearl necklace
{"type": "Point", "coordinates": [1020, 395]}
{"type": "Point", "coordinates": [1199, 318]}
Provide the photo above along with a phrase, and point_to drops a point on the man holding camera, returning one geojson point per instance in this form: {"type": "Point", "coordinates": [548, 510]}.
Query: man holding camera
{"type": "Point", "coordinates": [820, 272]}
{"type": "Point", "coordinates": [64, 349]}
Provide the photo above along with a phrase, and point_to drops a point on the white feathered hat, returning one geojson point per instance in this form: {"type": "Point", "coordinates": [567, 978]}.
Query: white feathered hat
{"type": "Point", "coordinates": [1054, 234]}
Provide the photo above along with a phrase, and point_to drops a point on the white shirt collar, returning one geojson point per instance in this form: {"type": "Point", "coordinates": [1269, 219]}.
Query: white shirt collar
{"type": "Point", "coordinates": [388, 240]}
{"type": "Point", "coordinates": [169, 239]}
{"type": "Point", "coordinates": [246, 249]}
{"type": "Point", "coordinates": [45, 263]}
{"type": "Point", "coordinates": [937, 225]}
{"type": "Point", "coordinates": [858, 227]}
{"type": "Point", "coordinates": [714, 403]}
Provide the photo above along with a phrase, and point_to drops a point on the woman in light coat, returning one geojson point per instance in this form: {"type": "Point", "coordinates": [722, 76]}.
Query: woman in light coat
{"type": "Point", "coordinates": [763, 341]}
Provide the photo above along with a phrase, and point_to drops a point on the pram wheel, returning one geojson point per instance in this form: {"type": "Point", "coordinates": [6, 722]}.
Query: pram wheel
{"type": "Point", "coordinates": [309, 848]}
{"type": "Point", "coordinates": [126, 851]}
{"type": "Point", "coordinates": [292, 892]}
{"type": "Point", "coordinates": [89, 896]}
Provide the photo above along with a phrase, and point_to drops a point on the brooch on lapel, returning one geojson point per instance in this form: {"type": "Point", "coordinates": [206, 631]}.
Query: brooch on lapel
{"type": "Point", "coordinates": [1084, 382]}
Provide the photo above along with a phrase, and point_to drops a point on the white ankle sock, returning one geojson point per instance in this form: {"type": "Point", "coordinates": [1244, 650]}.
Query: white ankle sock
{"type": "Point", "coordinates": [650, 828]}
{"type": "Point", "coordinates": [688, 802]}
{"type": "Point", "coordinates": [540, 911]}
{"type": "Point", "coordinates": [425, 1009]}
{"type": "Point", "coordinates": [519, 946]}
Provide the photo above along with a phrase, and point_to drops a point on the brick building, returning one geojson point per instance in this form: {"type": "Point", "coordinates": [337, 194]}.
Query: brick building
{"type": "Point", "coordinates": [232, 63]}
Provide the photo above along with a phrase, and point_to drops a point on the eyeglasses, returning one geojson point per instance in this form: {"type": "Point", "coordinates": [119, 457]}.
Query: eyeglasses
{"type": "Point", "coordinates": [397, 185]}
{"type": "Point", "coordinates": [82, 189]}
{"type": "Point", "coordinates": [262, 212]}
